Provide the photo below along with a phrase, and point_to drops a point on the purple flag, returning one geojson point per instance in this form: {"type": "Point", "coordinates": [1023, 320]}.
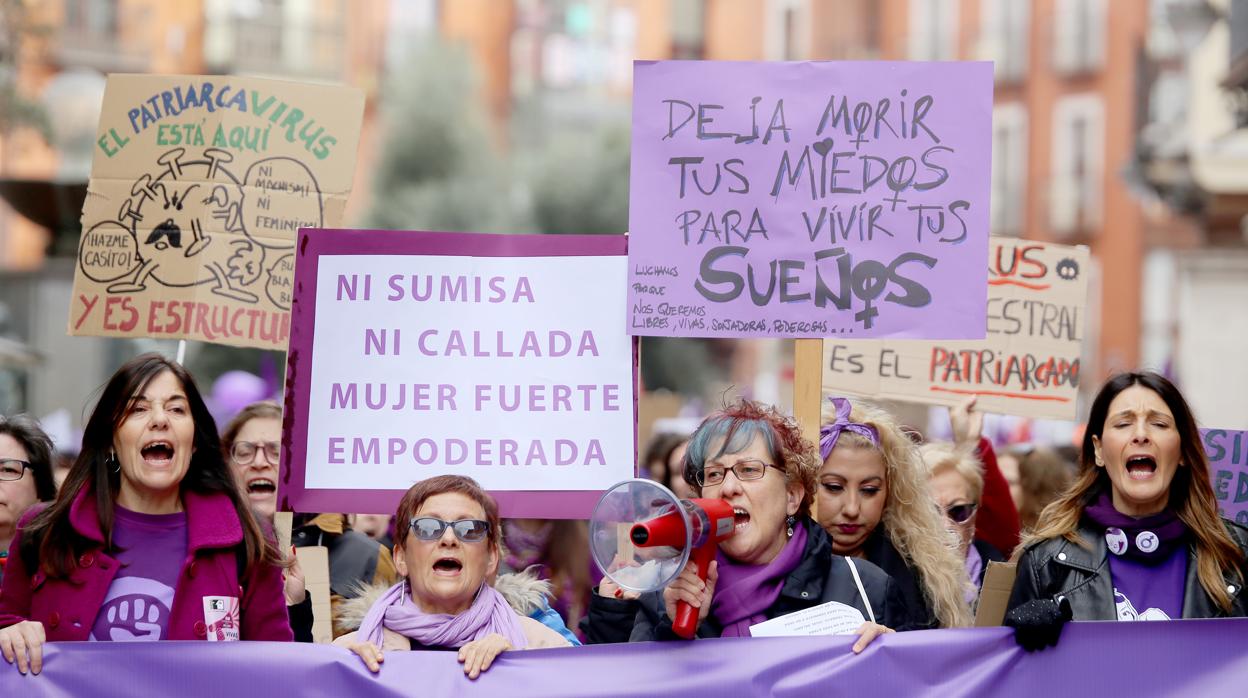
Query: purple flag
{"type": "Point", "coordinates": [815, 199]}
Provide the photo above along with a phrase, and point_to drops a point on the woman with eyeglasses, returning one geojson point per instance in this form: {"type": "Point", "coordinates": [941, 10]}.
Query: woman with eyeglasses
{"type": "Point", "coordinates": [875, 505]}
{"type": "Point", "coordinates": [447, 548]}
{"type": "Point", "coordinates": [149, 538]}
{"type": "Point", "coordinates": [251, 444]}
{"type": "Point", "coordinates": [1138, 535]}
{"type": "Point", "coordinates": [25, 475]}
{"type": "Point", "coordinates": [957, 484]}
{"type": "Point", "coordinates": [778, 561]}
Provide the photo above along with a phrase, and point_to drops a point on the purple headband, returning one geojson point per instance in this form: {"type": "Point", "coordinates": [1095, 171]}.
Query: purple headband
{"type": "Point", "coordinates": [829, 433]}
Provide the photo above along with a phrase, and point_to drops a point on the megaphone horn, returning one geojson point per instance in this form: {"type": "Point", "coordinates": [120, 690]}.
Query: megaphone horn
{"type": "Point", "coordinates": [642, 536]}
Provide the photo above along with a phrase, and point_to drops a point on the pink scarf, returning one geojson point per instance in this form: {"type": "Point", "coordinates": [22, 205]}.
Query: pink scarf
{"type": "Point", "coordinates": [396, 611]}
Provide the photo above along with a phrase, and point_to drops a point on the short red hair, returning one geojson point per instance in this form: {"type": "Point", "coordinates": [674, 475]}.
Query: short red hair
{"type": "Point", "coordinates": [442, 484]}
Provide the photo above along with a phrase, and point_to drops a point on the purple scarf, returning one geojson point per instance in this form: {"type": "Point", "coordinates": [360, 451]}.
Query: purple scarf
{"type": "Point", "coordinates": [974, 565]}
{"type": "Point", "coordinates": [830, 432]}
{"type": "Point", "coordinates": [396, 611]}
{"type": "Point", "coordinates": [744, 592]}
{"type": "Point", "coordinates": [1149, 539]}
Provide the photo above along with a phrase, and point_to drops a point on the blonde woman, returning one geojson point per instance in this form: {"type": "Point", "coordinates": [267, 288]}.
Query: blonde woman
{"type": "Point", "coordinates": [957, 484]}
{"type": "Point", "coordinates": [1137, 536]}
{"type": "Point", "coordinates": [874, 502]}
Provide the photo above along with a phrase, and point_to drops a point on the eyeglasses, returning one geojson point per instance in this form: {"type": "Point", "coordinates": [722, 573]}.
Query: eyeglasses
{"type": "Point", "coordinates": [467, 530]}
{"type": "Point", "coordinates": [745, 470]}
{"type": "Point", "coordinates": [244, 452]}
{"type": "Point", "coordinates": [13, 469]}
{"type": "Point", "coordinates": [961, 513]}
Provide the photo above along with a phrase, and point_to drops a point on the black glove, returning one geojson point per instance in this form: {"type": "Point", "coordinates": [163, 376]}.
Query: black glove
{"type": "Point", "coordinates": [1037, 624]}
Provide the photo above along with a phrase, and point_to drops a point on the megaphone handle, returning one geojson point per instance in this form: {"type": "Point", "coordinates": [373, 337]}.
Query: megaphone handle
{"type": "Point", "coordinates": [685, 624]}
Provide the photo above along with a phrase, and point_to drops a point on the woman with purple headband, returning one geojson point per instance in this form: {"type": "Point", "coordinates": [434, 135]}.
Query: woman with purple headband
{"type": "Point", "coordinates": [874, 502]}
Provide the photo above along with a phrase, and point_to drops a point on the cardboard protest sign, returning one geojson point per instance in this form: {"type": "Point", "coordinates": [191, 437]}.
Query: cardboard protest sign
{"type": "Point", "coordinates": [1027, 365]}
{"type": "Point", "coordinates": [815, 199]}
{"type": "Point", "coordinates": [1228, 466]}
{"type": "Point", "coordinates": [994, 594]}
{"type": "Point", "coordinates": [198, 186]}
{"type": "Point", "coordinates": [500, 357]}
{"type": "Point", "coordinates": [314, 563]}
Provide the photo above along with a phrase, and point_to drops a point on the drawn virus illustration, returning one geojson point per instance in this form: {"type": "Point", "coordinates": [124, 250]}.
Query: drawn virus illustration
{"type": "Point", "coordinates": [188, 225]}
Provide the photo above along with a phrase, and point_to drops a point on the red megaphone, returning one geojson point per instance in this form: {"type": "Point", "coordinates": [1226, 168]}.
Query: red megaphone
{"type": "Point", "coordinates": [709, 521]}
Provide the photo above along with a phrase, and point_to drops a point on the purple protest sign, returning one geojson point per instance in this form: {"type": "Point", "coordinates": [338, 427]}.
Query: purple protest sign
{"type": "Point", "coordinates": [814, 199]}
{"type": "Point", "coordinates": [1228, 466]}
{"type": "Point", "coordinates": [416, 354]}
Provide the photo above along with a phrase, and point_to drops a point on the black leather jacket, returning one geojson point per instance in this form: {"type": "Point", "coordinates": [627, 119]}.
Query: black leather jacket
{"type": "Point", "coordinates": [1055, 567]}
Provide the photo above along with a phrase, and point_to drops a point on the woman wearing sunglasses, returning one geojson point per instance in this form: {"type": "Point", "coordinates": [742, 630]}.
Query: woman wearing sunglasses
{"type": "Point", "coordinates": [447, 546]}
{"type": "Point", "coordinates": [957, 484]}
{"type": "Point", "coordinates": [873, 501]}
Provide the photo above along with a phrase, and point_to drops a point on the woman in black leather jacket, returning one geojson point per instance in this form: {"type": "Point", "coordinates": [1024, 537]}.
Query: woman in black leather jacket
{"type": "Point", "coordinates": [1138, 536]}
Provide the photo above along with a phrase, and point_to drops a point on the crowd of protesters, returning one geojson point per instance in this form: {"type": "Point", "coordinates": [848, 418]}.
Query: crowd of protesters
{"type": "Point", "coordinates": [164, 530]}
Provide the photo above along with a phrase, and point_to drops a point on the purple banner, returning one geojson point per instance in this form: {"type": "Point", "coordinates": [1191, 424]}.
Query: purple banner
{"type": "Point", "coordinates": [1228, 466]}
{"type": "Point", "coordinates": [815, 199]}
{"type": "Point", "coordinates": [1191, 657]}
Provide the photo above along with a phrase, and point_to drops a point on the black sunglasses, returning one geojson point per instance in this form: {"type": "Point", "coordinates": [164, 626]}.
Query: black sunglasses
{"type": "Point", "coordinates": [961, 513]}
{"type": "Point", "coordinates": [467, 530]}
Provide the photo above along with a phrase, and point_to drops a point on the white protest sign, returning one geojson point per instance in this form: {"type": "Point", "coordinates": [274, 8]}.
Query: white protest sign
{"type": "Point", "coordinates": [502, 358]}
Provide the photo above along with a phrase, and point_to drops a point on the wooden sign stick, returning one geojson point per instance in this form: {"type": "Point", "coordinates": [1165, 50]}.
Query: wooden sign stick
{"type": "Point", "coordinates": [808, 389]}
{"type": "Point", "coordinates": [807, 385]}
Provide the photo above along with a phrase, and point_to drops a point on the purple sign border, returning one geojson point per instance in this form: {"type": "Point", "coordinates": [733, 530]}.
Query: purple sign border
{"type": "Point", "coordinates": [314, 242]}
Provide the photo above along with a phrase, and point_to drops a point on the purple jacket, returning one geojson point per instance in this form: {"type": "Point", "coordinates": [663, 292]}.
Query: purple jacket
{"type": "Point", "coordinates": [68, 607]}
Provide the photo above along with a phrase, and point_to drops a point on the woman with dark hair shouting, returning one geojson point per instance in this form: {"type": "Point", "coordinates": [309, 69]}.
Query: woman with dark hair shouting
{"type": "Point", "coordinates": [1137, 536]}
{"type": "Point", "coordinates": [149, 538]}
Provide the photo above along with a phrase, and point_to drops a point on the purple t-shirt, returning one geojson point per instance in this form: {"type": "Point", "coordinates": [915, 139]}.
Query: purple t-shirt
{"type": "Point", "coordinates": [151, 549]}
{"type": "Point", "coordinates": [1149, 592]}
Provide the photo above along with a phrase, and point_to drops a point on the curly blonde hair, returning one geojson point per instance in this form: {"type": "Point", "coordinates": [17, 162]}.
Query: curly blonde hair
{"type": "Point", "coordinates": [912, 521]}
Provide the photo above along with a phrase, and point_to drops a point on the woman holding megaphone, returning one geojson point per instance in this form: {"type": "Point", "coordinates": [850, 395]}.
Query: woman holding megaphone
{"type": "Point", "coordinates": [778, 560]}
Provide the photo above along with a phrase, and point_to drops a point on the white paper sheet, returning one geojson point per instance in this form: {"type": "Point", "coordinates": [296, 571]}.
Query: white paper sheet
{"type": "Point", "coordinates": [831, 618]}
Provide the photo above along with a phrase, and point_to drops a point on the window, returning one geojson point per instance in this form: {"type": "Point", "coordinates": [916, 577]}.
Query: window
{"type": "Point", "coordinates": [1078, 151]}
{"type": "Point", "coordinates": [92, 18]}
{"type": "Point", "coordinates": [688, 29]}
{"type": "Point", "coordinates": [1079, 36]}
{"type": "Point", "coordinates": [933, 30]}
{"type": "Point", "coordinates": [1004, 37]}
{"type": "Point", "coordinates": [787, 35]}
{"type": "Point", "coordinates": [1009, 169]}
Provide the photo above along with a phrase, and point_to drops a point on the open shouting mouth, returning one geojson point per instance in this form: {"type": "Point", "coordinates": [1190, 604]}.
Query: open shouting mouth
{"type": "Point", "coordinates": [157, 453]}
{"type": "Point", "coordinates": [448, 567]}
{"type": "Point", "coordinates": [1141, 467]}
